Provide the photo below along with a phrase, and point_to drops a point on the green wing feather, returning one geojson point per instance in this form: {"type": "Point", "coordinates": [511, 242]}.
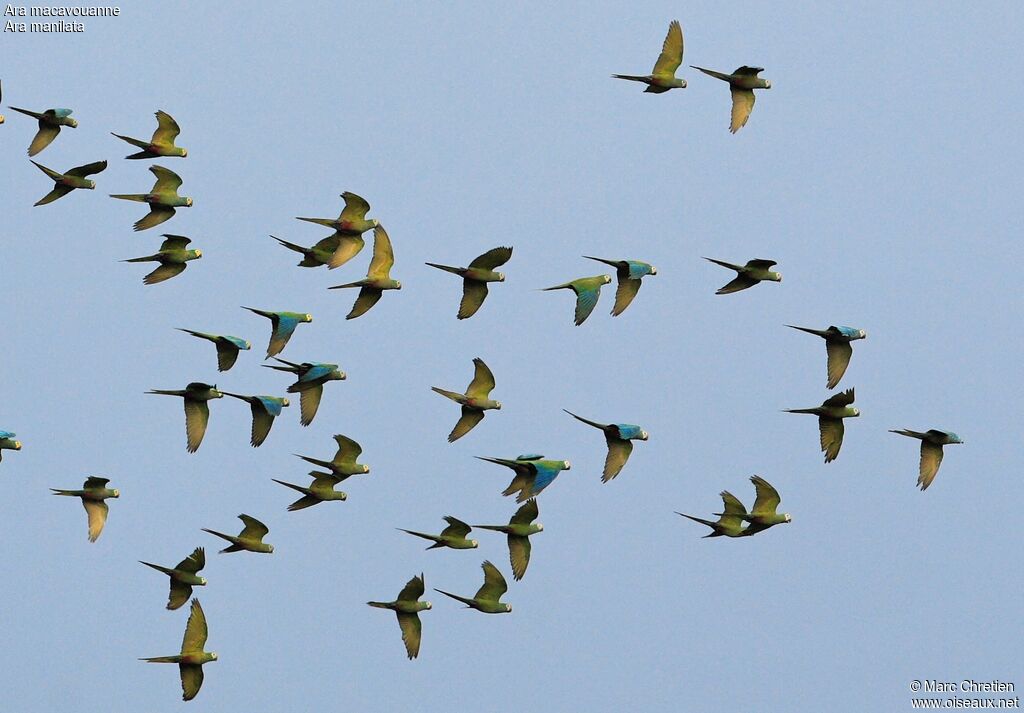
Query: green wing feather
{"type": "Point", "coordinates": [261, 423]}
{"type": "Point", "coordinates": [253, 528]}
{"type": "Point", "coordinates": [618, 453]}
{"type": "Point", "coordinates": [164, 272]}
{"type": "Point", "coordinates": [831, 431]}
{"type": "Point", "coordinates": [383, 255]}
{"type": "Point", "coordinates": [195, 630]}
{"type": "Point", "coordinates": [492, 258]}
{"type": "Point", "coordinates": [309, 402]}
{"type": "Point", "coordinates": [348, 450]}
{"type": "Point", "coordinates": [474, 293]}
{"type": "Point", "coordinates": [197, 416]}
{"type": "Point", "coordinates": [355, 208]}
{"type": "Point", "coordinates": [174, 242]}
{"type": "Point", "coordinates": [167, 181]}
{"type": "Point", "coordinates": [167, 129]}
{"type": "Point", "coordinates": [624, 294]}
{"type": "Point", "coordinates": [494, 585]}
{"type": "Point", "coordinates": [518, 555]}
{"type": "Point", "coordinates": [368, 297]}
{"type": "Point", "coordinates": [348, 247]}
{"type": "Point", "coordinates": [931, 459]}
{"type": "Point", "coordinates": [411, 633]}
{"type": "Point", "coordinates": [767, 500]}
{"type": "Point", "coordinates": [839, 354]}
{"type": "Point", "coordinates": [180, 592]}
{"type": "Point", "coordinates": [466, 423]}
{"type": "Point", "coordinates": [526, 514]}
{"type": "Point", "coordinates": [194, 562]}
{"type": "Point", "coordinates": [412, 590]}
{"type": "Point", "coordinates": [97, 512]}
{"type": "Point", "coordinates": [671, 52]}
{"type": "Point", "coordinates": [191, 680]}
{"type": "Point", "coordinates": [483, 381]}
{"type": "Point", "coordinates": [43, 138]}
{"type": "Point", "coordinates": [157, 214]}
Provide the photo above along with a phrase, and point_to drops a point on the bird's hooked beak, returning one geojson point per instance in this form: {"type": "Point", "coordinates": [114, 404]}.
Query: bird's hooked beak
{"type": "Point", "coordinates": [508, 608]}
{"type": "Point", "coordinates": [375, 223]}
{"type": "Point", "coordinates": [788, 517]}
{"type": "Point", "coordinates": [654, 270]}
{"type": "Point", "coordinates": [398, 285]}
{"type": "Point", "coordinates": [202, 580]}
{"type": "Point", "coordinates": [863, 334]}
{"type": "Point", "coordinates": [73, 123]}
{"type": "Point", "coordinates": [199, 253]}
{"type": "Point", "coordinates": [271, 550]}
{"type": "Point", "coordinates": [501, 275]}
{"type": "Point", "coordinates": [188, 202]}
{"type": "Point", "coordinates": [607, 278]}
{"type": "Point", "coordinates": [117, 493]}
{"type": "Point", "coordinates": [475, 543]}
{"type": "Point", "coordinates": [778, 277]}
{"type": "Point", "coordinates": [309, 318]}
{"type": "Point", "coordinates": [184, 153]}
{"type": "Point", "coordinates": [92, 184]}
{"type": "Point", "coordinates": [856, 412]}
{"type": "Point", "coordinates": [567, 464]}
{"type": "Point", "coordinates": [17, 445]}
{"type": "Point", "coordinates": [767, 84]}
{"type": "Point", "coordinates": [286, 402]}
{"type": "Point", "coordinates": [213, 657]}
{"type": "Point", "coordinates": [366, 469]}
{"type": "Point", "coordinates": [540, 527]}
{"type": "Point", "coordinates": [497, 405]}
{"type": "Point", "coordinates": [643, 435]}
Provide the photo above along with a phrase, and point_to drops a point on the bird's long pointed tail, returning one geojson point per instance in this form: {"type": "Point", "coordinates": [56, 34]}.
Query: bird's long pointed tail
{"type": "Point", "coordinates": [290, 246]}
{"type": "Point", "coordinates": [158, 568]}
{"type": "Point", "coordinates": [713, 73]}
{"type": "Point", "coordinates": [163, 659]}
{"type": "Point", "coordinates": [631, 77]}
{"type": "Point", "coordinates": [709, 523]}
{"type": "Point", "coordinates": [326, 222]}
{"type": "Point", "coordinates": [424, 535]}
{"type": "Point", "coordinates": [379, 605]}
{"type": "Point", "coordinates": [464, 600]}
{"type": "Point", "coordinates": [818, 332]}
{"type": "Point", "coordinates": [140, 197]}
{"type": "Point", "coordinates": [48, 171]}
{"type": "Point", "coordinates": [454, 396]}
{"type": "Point", "coordinates": [133, 142]}
{"type": "Point", "coordinates": [164, 392]}
{"type": "Point", "coordinates": [26, 112]}
{"type": "Point", "coordinates": [446, 268]}
{"type": "Point", "coordinates": [299, 488]}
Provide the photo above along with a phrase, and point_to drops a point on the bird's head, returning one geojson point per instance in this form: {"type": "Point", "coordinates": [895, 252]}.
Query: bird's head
{"type": "Point", "coordinates": [643, 435]}
{"type": "Point", "coordinates": [606, 279]}
{"type": "Point", "coordinates": [342, 495]}
{"type": "Point", "coordinates": [270, 549]}
{"type": "Point", "coordinates": [73, 123]}
{"type": "Point", "coordinates": [198, 253]}
{"type": "Point", "coordinates": [767, 84]}
{"type": "Point", "coordinates": [286, 402]}
{"type": "Point", "coordinates": [184, 153]}
{"type": "Point", "coordinates": [213, 657]}
{"type": "Point", "coordinates": [475, 543]}
{"type": "Point", "coordinates": [188, 202]}
{"type": "Point", "coordinates": [340, 376]}
{"type": "Point", "coordinates": [508, 608]}
{"type": "Point", "coordinates": [202, 580]}
{"type": "Point", "coordinates": [776, 276]}
{"type": "Point", "coordinates": [497, 405]}
{"type": "Point", "coordinates": [90, 184]}
{"type": "Point", "coordinates": [501, 277]}
{"type": "Point", "coordinates": [307, 318]}
{"type": "Point", "coordinates": [366, 469]}
{"type": "Point", "coordinates": [375, 223]}
{"type": "Point", "coordinates": [540, 527]}
{"type": "Point", "coordinates": [248, 345]}
{"type": "Point", "coordinates": [398, 285]}
{"type": "Point", "coordinates": [117, 493]}
{"type": "Point", "coordinates": [855, 412]}
{"type": "Point", "coordinates": [2, 118]}
{"type": "Point", "coordinates": [566, 465]}
{"type": "Point", "coordinates": [654, 270]}
{"type": "Point", "coordinates": [862, 334]}
{"type": "Point", "coordinates": [17, 445]}
{"type": "Point", "coordinates": [787, 518]}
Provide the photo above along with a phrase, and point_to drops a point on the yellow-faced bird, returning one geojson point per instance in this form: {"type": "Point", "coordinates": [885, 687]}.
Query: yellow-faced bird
{"type": "Point", "coordinates": [64, 183]}
{"type": "Point", "coordinates": [49, 122]}
{"type": "Point", "coordinates": [663, 76]}
{"type": "Point", "coordinates": [192, 657]}
{"type": "Point", "coordinates": [183, 577]}
{"type": "Point", "coordinates": [932, 442]}
{"type": "Point", "coordinates": [93, 494]}
{"type": "Point", "coordinates": [310, 384]}
{"type": "Point", "coordinates": [378, 277]}
{"type": "Point", "coordinates": [162, 143]}
{"type": "Point", "coordinates": [349, 227]}
{"type": "Point", "coordinates": [588, 290]}
{"type": "Point", "coordinates": [249, 539]}
{"type": "Point", "coordinates": [729, 523]}
{"type": "Point", "coordinates": [742, 84]}
{"type": "Point", "coordinates": [408, 608]}
{"type": "Point", "coordinates": [830, 421]}
{"type": "Point", "coordinates": [764, 513]}
{"type": "Point", "coordinates": [476, 276]}
{"type": "Point", "coordinates": [488, 597]}
{"type": "Point", "coordinates": [227, 347]}
{"type": "Point", "coordinates": [619, 437]}
{"type": "Point", "coordinates": [264, 410]}
{"type": "Point", "coordinates": [197, 411]}
{"type": "Point", "coordinates": [474, 402]}
{"type": "Point", "coordinates": [162, 199]}
{"type": "Point", "coordinates": [173, 257]}
{"type": "Point", "coordinates": [518, 530]}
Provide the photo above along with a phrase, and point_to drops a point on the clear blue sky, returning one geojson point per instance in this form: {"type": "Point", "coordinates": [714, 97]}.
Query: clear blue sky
{"type": "Point", "coordinates": [881, 171]}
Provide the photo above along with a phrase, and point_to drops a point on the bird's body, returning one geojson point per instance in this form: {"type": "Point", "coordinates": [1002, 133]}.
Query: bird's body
{"type": "Point", "coordinates": [163, 199]}
{"type": "Point", "coordinates": [748, 275]}
{"type": "Point", "coordinates": [629, 274]}
{"type": "Point", "coordinates": [317, 255]}
{"type": "Point", "coordinates": [453, 536]}
{"type": "Point", "coordinates": [476, 276]}
{"type": "Point", "coordinates": [183, 577]}
{"type": "Point", "coordinates": [321, 490]}
{"type": "Point", "coordinates": [283, 325]}
{"type": "Point", "coordinates": [837, 347]}
{"type": "Point", "coordinates": [192, 657]}
{"type": "Point", "coordinates": [227, 347]}
{"type": "Point", "coordinates": [932, 442]}
{"type": "Point", "coordinates": [408, 606]}
{"type": "Point", "coordinates": [249, 539]}
{"type": "Point", "coordinates": [619, 437]}
{"type": "Point", "coordinates": [349, 227]}
{"type": "Point", "coordinates": [518, 531]}
{"type": "Point", "coordinates": [588, 290]}
{"type": "Point", "coordinates": [663, 76]}
{"type": "Point", "coordinates": [50, 123]}
{"type": "Point", "coordinates": [730, 521]}
{"type": "Point", "coordinates": [264, 410]}
{"type": "Point", "coordinates": [310, 384]}
{"type": "Point", "coordinates": [474, 402]}
{"type": "Point", "coordinates": [830, 421]}
{"type": "Point", "coordinates": [162, 142]}
{"type": "Point", "coordinates": [344, 464]}
{"type": "Point", "coordinates": [197, 411]}
{"type": "Point", "coordinates": [764, 513]}
{"type": "Point", "coordinates": [742, 84]}
{"type": "Point", "coordinates": [172, 256]}
{"type": "Point", "coordinates": [94, 494]}
{"type": "Point", "coordinates": [64, 183]}
{"type": "Point", "coordinates": [8, 442]}
{"type": "Point", "coordinates": [378, 277]}
{"type": "Point", "coordinates": [533, 474]}
{"type": "Point", "coordinates": [488, 597]}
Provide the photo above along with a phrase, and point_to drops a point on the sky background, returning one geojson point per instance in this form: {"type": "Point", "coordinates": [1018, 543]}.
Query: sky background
{"type": "Point", "coordinates": [881, 171]}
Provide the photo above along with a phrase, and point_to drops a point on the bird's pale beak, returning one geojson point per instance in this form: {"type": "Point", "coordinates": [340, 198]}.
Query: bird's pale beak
{"type": "Point", "coordinates": [188, 202]}
{"type": "Point", "coordinates": [17, 445]}
{"type": "Point", "coordinates": [184, 153]}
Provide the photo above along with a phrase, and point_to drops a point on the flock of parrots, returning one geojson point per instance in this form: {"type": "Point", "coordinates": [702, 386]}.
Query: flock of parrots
{"type": "Point", "coordinates": [532, 472]}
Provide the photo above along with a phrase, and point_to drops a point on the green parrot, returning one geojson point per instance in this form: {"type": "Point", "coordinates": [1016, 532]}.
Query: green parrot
{"type": "Point", "coordinates": [349, 228]}
{"type": "Point", "coordinates": [64, 183]}
{"type": "Point", "coordinates": [162, 143]}
{"type": "Point", "coordinates": [319, 491]}
{"type": "Point", "coordinates": [830, 421]}
{"type": "Point", "coordinates": [264, 410]}
{"type": "Point", "coordinates": [183, 577]}
{"type": "Point", "coordinates": [93, 494]}
{"type": "Point", "coordinates": [190, 661]}
{"type": "Point", "coordinates": [619, 437]}
{"type": "Point", "coordinates": [629, 273]}
{"type": "Point", "coordinates": [533, 474]}
{"type": "Point", "coordinates": [227, 347]}
{"type": "Point", "coordinates": [748, 275]}
{"type": "Point", "coordinates": [587, 290]}
{"type": "Point", "coordinates": [663, 76]}
{"type": "Point", "coordinates": [729, 522]}
{"type": "Point", "coordinates": [197, 411]}
{"type": "Point", "coordinates": [162, 199]}
{"type": "Point", "coordinates": [249, 539]}
{"type": "Point", "coordinates": [763, 515]}
{"type": "Point", "coordinates": [50, 122]}
{"type": "Point", "coordinates": [310, 384]}
{"type": "Point", "coordinates": [476, 276]}
{"type": "Point", "coordinates": [378, 277]}
{"type": "Point", "coordinates": [408, 608]}
{"type": "Point", "coordinates": [742, 84]}
{"type": "Point", "coordinates": [172, 257]}
{"type": "Point", "coordinates": [7, 442]}
{"type": "Point", "coordinates": [474, 402]}
{"type": "Point", "coordinates": [283, 325]}
{"type": "Point", "coordinates": [488, 597]}
{"type": "Point", "coordinates": [344, 463]}
{"type": "Point", "coordinates": [932, 442]}
{"type": "Point", "coordinates": [518, 530]}
{"type": "Point", "coordinates": [319, 254]}
{"type": "Point", "coordinates": [453, 536]}
{"type": "Point", "coordinates": [837, 346]}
